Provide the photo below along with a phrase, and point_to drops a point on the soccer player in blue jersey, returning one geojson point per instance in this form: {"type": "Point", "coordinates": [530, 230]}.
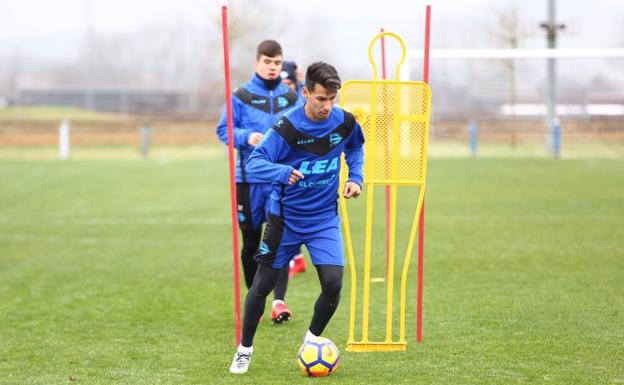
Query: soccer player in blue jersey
{"type": "Point", "coordinates": [300, 155]}
{"type": "Point", "coordinates": [291, 77]}
{"type": "Point", "coordinates": [256, 105]}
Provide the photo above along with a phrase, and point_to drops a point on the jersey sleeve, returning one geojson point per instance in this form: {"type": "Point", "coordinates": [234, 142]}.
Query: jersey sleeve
{"type": "Point", "coordinates": [354, 155]}
{"type": "Point", "coordinates": [263, 162]}
{"type": "Point", "coordinates": [241, 135]}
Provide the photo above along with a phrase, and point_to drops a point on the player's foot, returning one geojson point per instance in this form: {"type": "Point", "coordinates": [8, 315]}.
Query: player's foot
{"type": "Point", "coordinates": [280, 313]}
{"type": "Point", "coordinates": [298, 265]}
{"type": "Point", "coordinates": [240, 363]}
{"type": "Point", "coordinates": [309, 336]}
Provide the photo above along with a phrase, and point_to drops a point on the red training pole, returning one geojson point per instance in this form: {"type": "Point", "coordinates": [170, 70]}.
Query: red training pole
{"type": "Point", "coordinates": [383, 76]}
{"type": "Point", "coordinates": [234, 207]}
{"type": "Point", "coordinates": [421, 222]}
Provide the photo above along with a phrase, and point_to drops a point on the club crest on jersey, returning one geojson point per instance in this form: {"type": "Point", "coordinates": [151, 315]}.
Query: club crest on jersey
{"type": "Point", "coordinates": [334, 139]}
{"type": "Point", "coordinates": [282, 102]}
{"type": "Point", "coordinates": [264, 249]}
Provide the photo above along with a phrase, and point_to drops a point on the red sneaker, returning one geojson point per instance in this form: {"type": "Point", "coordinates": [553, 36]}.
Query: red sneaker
{"type": "Point", "coordinates": [298, 265]}
{"type": "Point", "coordinates": [280, 313]}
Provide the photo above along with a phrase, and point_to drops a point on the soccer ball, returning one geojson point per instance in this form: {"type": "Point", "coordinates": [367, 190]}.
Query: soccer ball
{"type": "Point", "coordinates": [318, 357]}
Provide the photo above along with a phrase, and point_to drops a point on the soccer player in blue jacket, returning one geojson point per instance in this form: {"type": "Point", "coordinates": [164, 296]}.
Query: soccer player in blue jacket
{"type": "Point", "coordinates": [291, 78]}
{"type": "Point", "coordinates": [300, 155]}
{"type": "Point", "coordinates": [256, 105]}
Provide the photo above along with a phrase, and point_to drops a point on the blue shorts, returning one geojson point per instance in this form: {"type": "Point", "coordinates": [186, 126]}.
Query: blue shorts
{"type": "Point", "coordinates": [254, 202]}
{"type": "Point", "coordinates": [282, 238]}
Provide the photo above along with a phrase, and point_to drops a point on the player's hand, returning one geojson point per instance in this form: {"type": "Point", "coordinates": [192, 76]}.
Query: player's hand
{"type": "Point", "coordinates": [254, 138]}
{"type": "Point", "coordinates": [295, 175]}
{"type": "Point", "coordinates": [351, 190]}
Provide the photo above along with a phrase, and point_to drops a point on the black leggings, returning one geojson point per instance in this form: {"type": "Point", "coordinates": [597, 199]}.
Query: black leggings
{"type": "Point", "coordinates": [251, 242]}
{"type": "Point", "coordinates": [330, 278]}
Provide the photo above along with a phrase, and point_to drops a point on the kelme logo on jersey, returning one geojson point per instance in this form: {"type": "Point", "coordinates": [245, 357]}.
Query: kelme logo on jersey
{"type": "Point", "coordinates": [241, 217]}
{"type": "Point", "coordinates": [305, 141]}
{"type": "Point", "coordinates": [282, 102]}
{"type": "Point", "coordinates": [334, 139]}
{"type": "Point", "coordinates": [264, 249]}
{"type": "Point", "coordinates": [319, 166]}
{"type": "Point", "coordinates": [279, 123]}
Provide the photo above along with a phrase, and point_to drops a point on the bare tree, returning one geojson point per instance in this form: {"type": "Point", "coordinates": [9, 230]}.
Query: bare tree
{"type": "Point", "coordinates": [507, 33]}
{"type": "Point", "coordinates": [172, 55]}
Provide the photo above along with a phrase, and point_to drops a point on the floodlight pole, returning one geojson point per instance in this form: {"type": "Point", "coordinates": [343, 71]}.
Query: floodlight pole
{"type": "Point", "coordinates": [234, 207]}
{"type": "Point", "coordinates": [552, 28]}
{"type": "Point", "coordinates": [421, 223]}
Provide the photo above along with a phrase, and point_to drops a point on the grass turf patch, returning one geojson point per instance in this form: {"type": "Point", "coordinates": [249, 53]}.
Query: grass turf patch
{"type": "Point", "coordinates": [120, 272]}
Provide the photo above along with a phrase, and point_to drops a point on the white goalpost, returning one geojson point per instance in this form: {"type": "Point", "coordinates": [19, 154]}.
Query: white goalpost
{"type": "Point", "coordinates": [534, 107]}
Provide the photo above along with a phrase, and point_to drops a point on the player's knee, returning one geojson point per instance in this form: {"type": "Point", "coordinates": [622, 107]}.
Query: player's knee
{"type": "Point", "coordinates": [264, 281]}
{"type": "Point", "coordinates": [251, 238]}
{"type": "Point", "coordinates": [332, 290]}
{"type": "Point", "coordinates": [331, 282]}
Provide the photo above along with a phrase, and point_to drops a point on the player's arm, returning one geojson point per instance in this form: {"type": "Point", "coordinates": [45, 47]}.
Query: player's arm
{"type": "Point", "coordinates": [263, 162]}
{"type": "Point", "coordinates": [354, 156]}
{"type": "Point", "coordinates": [241, 135]}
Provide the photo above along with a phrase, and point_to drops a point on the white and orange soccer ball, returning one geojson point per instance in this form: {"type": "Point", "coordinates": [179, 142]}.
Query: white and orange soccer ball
{"type": "Point", "coordinates": [318, 357]}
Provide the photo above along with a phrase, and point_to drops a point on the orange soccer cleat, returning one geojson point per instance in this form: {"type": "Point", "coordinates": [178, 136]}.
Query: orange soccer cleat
{"type": "Point", "coordinates": [297, 265]}
{"type": "Point", "coordinates": [280, 313]}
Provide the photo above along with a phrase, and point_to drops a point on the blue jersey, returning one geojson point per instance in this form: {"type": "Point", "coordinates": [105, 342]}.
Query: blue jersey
{"type": "Point", "coordinates": [314, 148]}
{"type": "Point", "coordinates": [255, 108]}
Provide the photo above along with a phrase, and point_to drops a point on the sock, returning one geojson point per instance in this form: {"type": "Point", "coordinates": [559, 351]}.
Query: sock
{"type": "Point", "coordinates": [275, 302]}
{"type": "Point", "coordinates": [245, 350]}
{"type": "Point", "coordinates": [309, 335]}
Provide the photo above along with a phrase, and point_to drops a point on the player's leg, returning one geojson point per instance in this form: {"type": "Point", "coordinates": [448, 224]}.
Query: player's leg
{"type": "Point", "coordinates": [330, 277]}
{"type": "Point", "coordinates": [251, 240]}
{"type": "Point", "coordinates": [297, 265]}
{"type": "Point", "coordinates": [280, 311]}
{"type": "Point", "coordinates": [273, 254]}
{"type": "Point", "coordinates": [251, 232]}
{"type": "Point", "coordinates": [325, 247]}
{"type": "Point", "coordinates": [263, 283]}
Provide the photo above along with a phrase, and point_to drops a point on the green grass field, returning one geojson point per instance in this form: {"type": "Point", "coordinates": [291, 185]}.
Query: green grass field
{"type": "Point", "coordinates": [119, 272]}
{"type": "Point", "coordinates": [50, 112]}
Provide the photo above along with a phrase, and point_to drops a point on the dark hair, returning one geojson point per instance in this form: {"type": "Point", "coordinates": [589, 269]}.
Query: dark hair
{"type": "Point", "coordinates": [269, 48]}
{"type": "Point", "coordinates": [289, 71]}
{"type": "Point", "coordinates": [323, 74]}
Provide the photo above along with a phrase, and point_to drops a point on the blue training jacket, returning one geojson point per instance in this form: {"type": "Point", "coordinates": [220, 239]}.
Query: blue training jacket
{"type": "Point", "coordinates": [314, 148]}
{"type": "Point", "coordinates": [254, 109]}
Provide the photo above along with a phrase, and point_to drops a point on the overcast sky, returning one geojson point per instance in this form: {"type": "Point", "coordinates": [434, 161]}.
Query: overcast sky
{"type": "Point", "coordinates": [53, 28]}
{"type": "Point", "coordinates": [177, 43]}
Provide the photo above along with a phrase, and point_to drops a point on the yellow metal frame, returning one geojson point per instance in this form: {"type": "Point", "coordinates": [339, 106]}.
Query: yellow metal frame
{"type": "Point", "coordinates": [365, 345]}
